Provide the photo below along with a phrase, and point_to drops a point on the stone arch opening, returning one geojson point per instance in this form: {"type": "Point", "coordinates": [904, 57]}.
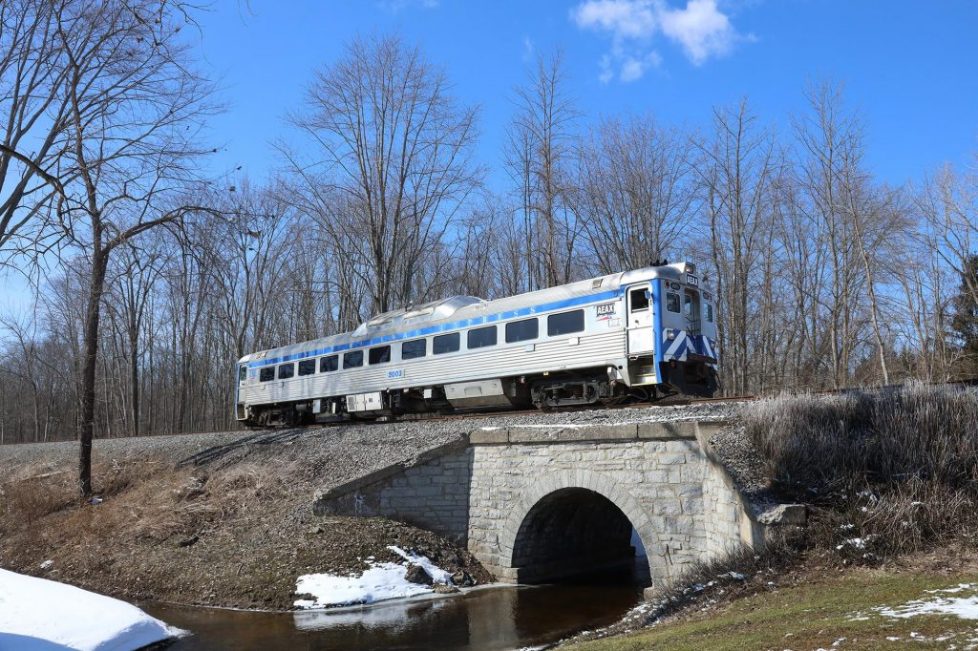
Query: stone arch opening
{"type": "Point", "coordinates": [574, 532]}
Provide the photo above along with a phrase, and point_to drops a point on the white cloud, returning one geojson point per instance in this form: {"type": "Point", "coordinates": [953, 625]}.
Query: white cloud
{"type": "Point", "coordinates": [701, 29]}
{"type": "Point", "coordinates": [394, 6]}
{"type": "Point", "coordinates": [633, 68]}
{"type": "Point", "coordinates": [528, 48]}
{"type": "Point", "coordinates": [607, 69]}
{"type": "Point", "coordinates": [625, 18]}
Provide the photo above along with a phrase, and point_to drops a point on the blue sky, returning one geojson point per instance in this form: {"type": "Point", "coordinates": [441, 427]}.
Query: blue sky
{"type": "Point", "coordinates": [909, 68]}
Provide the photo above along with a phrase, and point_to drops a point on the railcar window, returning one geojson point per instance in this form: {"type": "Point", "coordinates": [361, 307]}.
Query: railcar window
{"type": "Point", "coordinates": [242, 373]}
{"type": "Point", "coordinates": [522, 330]}
{"type": "Point", "coordinates": [709, 312]}
{"type": "Point", "coordinates": [353, 359]}
{"type": "Point", "coordinates": [565, 323]}
{"type": "Point", "coordinates": [481, 337]}
{"type": "Point", "coordinates": [639, 299]}
{"type": "Point", "coordinates": [285, 371]}
{"type": "Point", "coordinates": [266, 374]}
{"type": "Point", "coordinates": [307, 367]}
{"type": "Point", "coordinates": [445, 343]}
{"type": "Point", "coordinates": [414, 349]}
{"type": "Point", "coordinates": [672, 302]}
{"type": "Point", "coordinates": [327, 364]}
{"type": "Point", "coordinates": [380, 355]}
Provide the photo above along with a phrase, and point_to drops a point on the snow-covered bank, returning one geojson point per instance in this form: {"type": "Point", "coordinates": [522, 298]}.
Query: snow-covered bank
{"type": "Point", "coordinates": [41, 615]}
{"type": "Point", "coordinates": [381, 581]}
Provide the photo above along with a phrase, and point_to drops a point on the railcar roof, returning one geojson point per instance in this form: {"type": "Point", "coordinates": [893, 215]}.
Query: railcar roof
{"type": "Point", "coordinates": [461, 308]}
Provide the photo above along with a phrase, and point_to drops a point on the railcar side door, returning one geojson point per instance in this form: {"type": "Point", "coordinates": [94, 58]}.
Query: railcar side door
{"type": "Point", "coordinates": [640, 337]}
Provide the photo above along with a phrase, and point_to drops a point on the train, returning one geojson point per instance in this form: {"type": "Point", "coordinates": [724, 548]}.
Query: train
{"type": "Point", "coordinates": [635, 335]}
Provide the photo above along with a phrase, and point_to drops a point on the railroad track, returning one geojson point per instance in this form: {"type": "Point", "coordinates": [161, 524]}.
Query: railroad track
{"type": "Point", "coordinates": [670, 401]}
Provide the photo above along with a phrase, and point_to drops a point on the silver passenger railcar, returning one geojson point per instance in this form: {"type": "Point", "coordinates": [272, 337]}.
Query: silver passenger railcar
{"type": "Point", "coordinates": [637, 334]}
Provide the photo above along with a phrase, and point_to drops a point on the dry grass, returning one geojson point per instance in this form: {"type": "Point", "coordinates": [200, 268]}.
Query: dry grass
{"type": "Point", "coordinates": [886, 472]}
{"type": "Point", "coordinates": [830, 611]}
{"type": "Point", "coordinates": [34, 491]}
{"type": "Point", "coordinates": [143, 500]}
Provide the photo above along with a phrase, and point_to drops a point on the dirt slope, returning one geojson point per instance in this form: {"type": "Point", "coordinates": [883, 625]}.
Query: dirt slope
{"type": "Point", "coordinates": [210, 519]}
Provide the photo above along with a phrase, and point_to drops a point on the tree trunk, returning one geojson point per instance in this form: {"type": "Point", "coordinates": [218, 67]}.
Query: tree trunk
{"type": "Point", "coordinates": [86, 425]}
{"type": "Point", "coordinates": [134, 381]}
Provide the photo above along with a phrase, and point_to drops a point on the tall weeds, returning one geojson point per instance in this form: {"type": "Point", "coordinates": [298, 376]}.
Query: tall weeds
{"type": "Point", "coordinates": [887, 472]}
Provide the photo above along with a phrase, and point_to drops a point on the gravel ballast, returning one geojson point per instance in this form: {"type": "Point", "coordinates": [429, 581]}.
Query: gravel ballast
{"type": "Point", "coordinates": [356, 448]}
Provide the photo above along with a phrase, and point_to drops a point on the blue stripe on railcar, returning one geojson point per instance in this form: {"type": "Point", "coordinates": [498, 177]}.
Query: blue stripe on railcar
{"type": "Point", "coordinates": [657, 334]}
{"type": "Point", "coordinates": [456, 325]}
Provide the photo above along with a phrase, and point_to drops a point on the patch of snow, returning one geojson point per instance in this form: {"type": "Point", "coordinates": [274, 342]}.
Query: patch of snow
{"type": "Point", "coordinates": [38, 614]}
{"type": "Point", "coordinates": [437, 574]}
{"type": "Point", "coordinates": [381, 581]}
{"type": "Point", "coordinates": [855, 543]}
{"type": "Point", "coordinates": [962, 607]}
{"type": "Point", "coordinates": [958, 588]}
{"type": "Point", "coordinates": [46, 565]}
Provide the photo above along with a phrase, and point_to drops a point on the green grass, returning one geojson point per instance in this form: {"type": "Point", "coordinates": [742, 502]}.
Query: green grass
{"type": "Point", "coordinates": [811, 616]}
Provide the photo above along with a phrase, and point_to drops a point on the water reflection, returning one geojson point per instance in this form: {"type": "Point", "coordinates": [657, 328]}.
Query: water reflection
{"type": "Point", "coordinates": [490, 619]}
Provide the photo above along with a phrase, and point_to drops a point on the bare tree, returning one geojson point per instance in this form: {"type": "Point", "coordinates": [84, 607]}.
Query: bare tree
{"type": "Point", "coordinates": [539, 157]}
{"type": "Point", "coordinates": [948, 204]}
{"type": "Point", "coordinates": [24, 335]}
{"type": "Point", "coordinates": [33, 114]}
{"type": "Point", "coordinates": [132, 108]}
{"type": "Point", "coordinates": [828, 138]}
{"type": "Point", "coordinates": [740, 163]}
{"type": "Point", "coordinates": [139, 270]}
{"type": "Point", "coordinates": [393, 142]}
{"type": "Point", "coordinates": [637, 192]}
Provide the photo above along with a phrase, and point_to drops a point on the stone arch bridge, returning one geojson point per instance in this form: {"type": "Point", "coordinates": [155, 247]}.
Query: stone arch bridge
{"type": "Point", "coordinates": [542, 503]}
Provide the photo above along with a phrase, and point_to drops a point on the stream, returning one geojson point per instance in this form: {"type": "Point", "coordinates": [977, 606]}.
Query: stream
{"type": "Point", "coordinates": [486, 619]}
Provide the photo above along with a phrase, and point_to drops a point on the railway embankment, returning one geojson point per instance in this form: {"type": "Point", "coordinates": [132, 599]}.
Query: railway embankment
{"type": "Point", "coordinates": [226, 519]}
{"type": "Point", "coordinates": [888, 479]}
